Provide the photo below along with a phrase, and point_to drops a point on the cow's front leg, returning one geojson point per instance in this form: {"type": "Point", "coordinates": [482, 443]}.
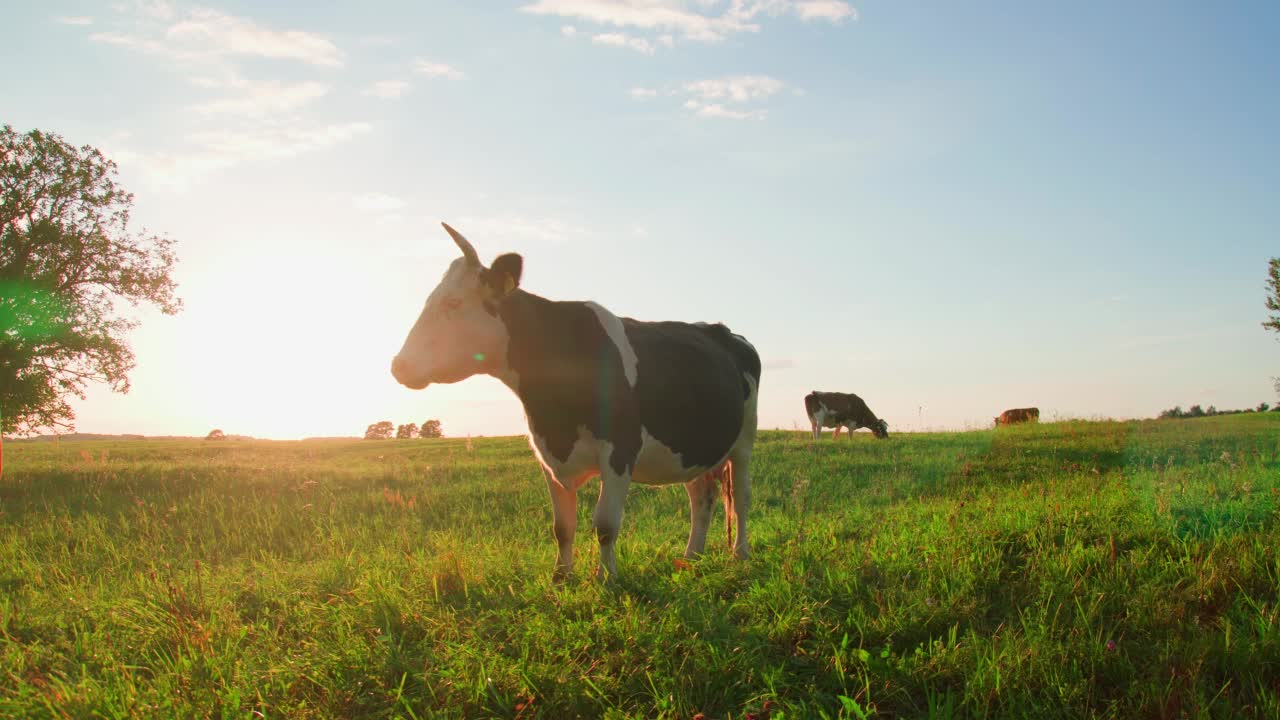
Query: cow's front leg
{"type": "Point", "coordinates": [608, 518]}
{"type": "Point", "coordinates": [564, 509]}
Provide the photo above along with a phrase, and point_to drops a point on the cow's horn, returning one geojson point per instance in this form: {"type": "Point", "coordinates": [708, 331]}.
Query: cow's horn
{"type": "Point", "coordinates": [467, 251]}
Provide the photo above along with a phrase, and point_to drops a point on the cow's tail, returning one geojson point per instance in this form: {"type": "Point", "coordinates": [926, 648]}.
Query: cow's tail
{"type": "Point", "coordinates": [730, 512]}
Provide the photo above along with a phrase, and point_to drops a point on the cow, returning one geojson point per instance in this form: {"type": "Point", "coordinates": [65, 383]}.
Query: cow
{"type": "Point", "coordinates": [651, 402]}
{"type": "Point", "coordinates": [841, 410]}
{"type": "Point", "coordinates": [1018, 415]}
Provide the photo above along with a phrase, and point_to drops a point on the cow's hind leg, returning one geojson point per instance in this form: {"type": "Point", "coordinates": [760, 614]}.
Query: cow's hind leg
{"type": "Point", "coordinates": [737, 500]}
{"type": "Point", "coordinates": [608, 518]}
{"type": "Point", "coordinates": [702, 497]}
{"type": "Point", "coordinates": [564, 508]}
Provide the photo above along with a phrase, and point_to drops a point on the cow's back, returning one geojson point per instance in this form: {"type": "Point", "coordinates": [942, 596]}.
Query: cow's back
{"type": "Point", "coordinates": [1018, 415]}
{"type": "Point", "coordinates": [842, 406]}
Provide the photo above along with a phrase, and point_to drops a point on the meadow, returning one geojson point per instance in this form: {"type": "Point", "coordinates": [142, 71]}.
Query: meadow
{"type": "Point", "coordinates": [1071, 569]}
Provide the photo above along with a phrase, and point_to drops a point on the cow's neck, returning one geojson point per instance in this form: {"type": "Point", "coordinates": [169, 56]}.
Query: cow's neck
{"type": "Point", "coordinates": [541, 347]}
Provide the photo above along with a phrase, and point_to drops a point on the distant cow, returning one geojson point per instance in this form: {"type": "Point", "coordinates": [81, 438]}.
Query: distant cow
{"type": "Point", "coordinates": [841, 410]}
{"type": "Point", "coordinates": [1018, 415]}
{"type": "Point", "coordinates": [653, 402]}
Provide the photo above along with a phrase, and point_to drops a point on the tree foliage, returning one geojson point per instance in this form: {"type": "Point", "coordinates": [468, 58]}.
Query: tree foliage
{"type": "Point", "coordinates": [406, 432]}
{"type": "Point", "coordinates": [379, 431]}
{"type": "Point", "coordinates": [69, 264]}
{"type": "Point", "coordinates": [431, 429]}
{"type": "Point", "coordinates": [1176, 412]}
{"type": "Point", "coordinates": [1273, 295]}
{"type": "Point", "coordinates": [216, 434]}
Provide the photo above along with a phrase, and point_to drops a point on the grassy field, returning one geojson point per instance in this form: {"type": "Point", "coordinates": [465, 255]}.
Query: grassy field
{"type": "Point", "coordinates": [1068, 570]}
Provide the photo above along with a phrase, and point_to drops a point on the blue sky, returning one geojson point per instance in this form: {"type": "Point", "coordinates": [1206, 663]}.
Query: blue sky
{"type": "Point", "coordinates": [947, 208]}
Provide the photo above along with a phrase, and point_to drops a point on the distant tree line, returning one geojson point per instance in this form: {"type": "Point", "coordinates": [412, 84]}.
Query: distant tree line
{"type": "Point", "coordinates": [384, 430]}
{"type": "Point", "coordinates": [1196, 411]}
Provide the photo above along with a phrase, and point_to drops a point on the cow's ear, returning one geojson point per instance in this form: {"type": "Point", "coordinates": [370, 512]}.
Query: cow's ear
{"type": "Point", "coordinates": [504, 275]}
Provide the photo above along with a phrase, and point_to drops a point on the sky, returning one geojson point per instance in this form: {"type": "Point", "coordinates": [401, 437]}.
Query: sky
{"type": "Point", "coordinates": [947, 208]}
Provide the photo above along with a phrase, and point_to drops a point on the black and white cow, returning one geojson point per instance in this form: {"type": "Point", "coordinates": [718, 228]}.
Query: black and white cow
{"type": "Point", "coordinates": [837, 410]}
{"type": "Point", "coordinates": [653, 402]}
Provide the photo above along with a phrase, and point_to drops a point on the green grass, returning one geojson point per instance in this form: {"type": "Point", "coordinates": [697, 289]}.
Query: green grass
{"type": "Point", "coordinates": [1079, 569]}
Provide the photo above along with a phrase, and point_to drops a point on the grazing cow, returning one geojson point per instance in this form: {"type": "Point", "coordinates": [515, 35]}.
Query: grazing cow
{"type": "Point", "coordinates": [841, 410]}
{"type": "Point", "coordinates": [653, 402]}
{"type": "Point", "coordinates": [1018, 415]}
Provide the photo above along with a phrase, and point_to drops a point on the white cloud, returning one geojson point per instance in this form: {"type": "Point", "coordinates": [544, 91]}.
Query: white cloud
{"type": "Point", "coordinates": [245, 119]}
{"type": "Point", "coordinates": [135, 42]}
{"type": "Point", "coordinates": [735, 97]}
{"type": "Point", "coordinates": [735, 88]}
{"type": "Point", "coordinates": [388, 89]}
{"type": "Point", "coordinates": [623, 40]}
{"type": "Point", "coordinates": [829, 10]}
{"type": "Point", "coordinates": [208, 151]}
{"type": "Point", "coordinates": [74, 20]}
{"type": "Point", "coordinates": [699, 20]}
{"type": "Point", "coordinates": [377, 202]}
{"type": "Point", "coordinates": [155, 9]}
{"type": "Point", "coordinates": [568, 30]}
{"type": "Point", "coordinates": [205, 33]}
{"type": "Point", "coordinates": [716, 110]}
{"type": "Point", "coordinates": [260, 100]}
{"type": "Point", "coordinates": [436, 69]}
{"type": "Point", "coordinates": [654, 15]}
{"type": "Point", "coordinates": [226, 34]}
{"type": "Point", "coordinates": [279, 142]}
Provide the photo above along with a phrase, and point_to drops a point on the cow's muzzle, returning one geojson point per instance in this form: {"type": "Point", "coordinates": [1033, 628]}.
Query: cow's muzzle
{"type": "Point", "coordinates": [400, 371]}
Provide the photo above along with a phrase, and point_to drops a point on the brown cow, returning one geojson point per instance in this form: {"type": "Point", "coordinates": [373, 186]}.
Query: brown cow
{"type": "Point", "coordinates": [837, 410]}
{"type": "Point", "coordinates": [1018, 415]}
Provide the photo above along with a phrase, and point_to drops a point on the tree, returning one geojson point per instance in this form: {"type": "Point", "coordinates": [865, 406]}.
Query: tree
{"type": "Point", "coordinates": [405, 432]}
{"type": "Point", "coordinates": [1195, 411]}
{"type": "Point", "coordinates": [216, 434]}
{"type": "Point", "coordinates": [379, 430]}
{"type": "Point", "coordinates": [1273, 295]}
{"type": "Point", "coordinates": [431, 429]}
{"type": "Point", "coordinates": [69, 263]}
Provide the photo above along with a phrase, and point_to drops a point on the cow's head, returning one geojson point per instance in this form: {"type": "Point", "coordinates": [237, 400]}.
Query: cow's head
{"type": "Point", "coordinates": [459, 333]}
{"type": "Point", "coordinates": [880, 429]}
